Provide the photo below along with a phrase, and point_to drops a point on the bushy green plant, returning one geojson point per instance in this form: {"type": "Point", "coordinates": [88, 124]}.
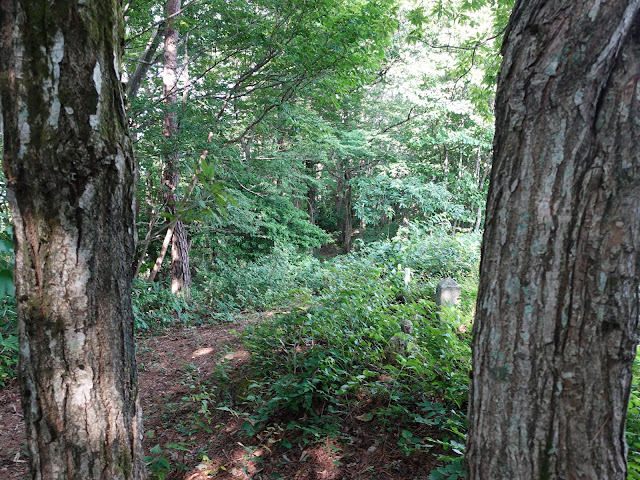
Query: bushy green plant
{"type": "Point", "coordinates": [430, 256]}
{"type": "Point", "coordinates": [323, 359]}
{"type": "Point", "coordinates": [450, 471]}
{"type": "Point", "coordinates": [157, 463]}
{"type": "Point", "coordinates": [8, 317]}
{"type": "Point", "coordinates": [380, 197]}
{"type": "Point", "coordinates": [262, 284]}
{"type": "Point", "coordinates": [154, 306]}
{"type": "Point", "coordinates": [320, 353]}
{"type": "Point", "coordinates": [8, 339]}
{"type": "Point", "coordinates": [257, 227]}
{"type": "Point", "coordinates": [633, 424]}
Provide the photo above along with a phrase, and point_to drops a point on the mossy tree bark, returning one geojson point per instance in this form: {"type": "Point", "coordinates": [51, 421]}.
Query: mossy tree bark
{"type": "Point", "coordinates": [70, 180]}
{"type": "Point", "coordinates": [557, 314]}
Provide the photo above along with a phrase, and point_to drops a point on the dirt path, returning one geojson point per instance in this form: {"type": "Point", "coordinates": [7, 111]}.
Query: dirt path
{"type": "Point", "coordinates": [185, 374]}
{"type": "Point", "coordinates": [165, 361]}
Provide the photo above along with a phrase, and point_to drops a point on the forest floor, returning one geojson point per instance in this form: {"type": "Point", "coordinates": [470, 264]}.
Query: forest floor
{"type": "Point", "coordinates": [184, 372]}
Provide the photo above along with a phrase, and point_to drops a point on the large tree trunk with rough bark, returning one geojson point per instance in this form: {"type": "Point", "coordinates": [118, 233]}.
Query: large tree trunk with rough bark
{"type": "Point", "coordinates": [557, 314]}
{"type": "Point", "coordinates": [180, 271]}
{"type": "Point", "coordinates": [70, 179]}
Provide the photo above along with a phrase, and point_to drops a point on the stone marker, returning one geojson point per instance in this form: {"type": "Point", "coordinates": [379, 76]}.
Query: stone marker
{"type": "Point", "coordinates": [448, 292]}
{"type": "Point", "coordinates": [406, 326]}
{"type": "Point", "coordinates": [407, 277]}
{"type": "Point", "coordinates": [400, 343]}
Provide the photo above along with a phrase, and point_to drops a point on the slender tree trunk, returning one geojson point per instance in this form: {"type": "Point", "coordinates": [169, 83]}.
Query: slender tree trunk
{"type": "Point", "coordinates": [476, 170]}
{"type": "Point", "coordinates": [145, 243]}
{"type": "Point", "coordinates": [478, 223]}
{"type": "Point", "coordinates": [311, 192]}
{"type": "Point", "coordinates": [483, 178]}
{"type": "Point", "coordinates": [70, 178]}
{"type": "Point", "coordinates": [340, 198]}
{"type": "Point", "coordinates": [347, 229]}
{"type": "Point", "coordinates": [445, 164]}
{"type": "Point", "coordinates": [557, 323]}
{"type": "Point", "coordinates": [163, 251]}
{"type": "Point", "coordinates": [180, 271]}
{"type": "Point", "coordinates": [344, 205]}
{"type": "Point", "coordinates": [145, 61]}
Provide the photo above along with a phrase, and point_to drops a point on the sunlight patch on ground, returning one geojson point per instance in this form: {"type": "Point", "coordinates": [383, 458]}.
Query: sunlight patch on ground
{"type": "Point", "coordinates": [232, 425]}
{"type": "Point", "coordinates": [326, 459]}
{"type": "Point", "coordinates": [237, 355]}
{"type": "Point", "coordinates": [202, 351]}
{"type": "Point", "coordinates": [244, 463]}
{"type": "Point", "coordinates": [241, 464]}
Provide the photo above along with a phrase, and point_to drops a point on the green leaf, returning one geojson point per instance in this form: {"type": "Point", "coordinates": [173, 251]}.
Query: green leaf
{"type": "Point", "coordinates": [157, 449]}
{"type": "Point", "coordinates": [7, 287]}
{"type": "Point", "coordinates": [6, 246]}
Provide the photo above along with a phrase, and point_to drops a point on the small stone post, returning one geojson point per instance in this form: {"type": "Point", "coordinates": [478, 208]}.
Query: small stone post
{"type": "Point", "coordinates": [448, 292]}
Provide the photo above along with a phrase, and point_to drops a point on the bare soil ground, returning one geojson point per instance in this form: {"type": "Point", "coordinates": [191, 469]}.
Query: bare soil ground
{"type": "Point", "coordinates": [184, 374]}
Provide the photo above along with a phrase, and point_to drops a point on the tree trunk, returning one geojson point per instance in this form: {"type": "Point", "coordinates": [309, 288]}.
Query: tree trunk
{"type": "Point", "coordinates": [347, 226]}
{"type": "Point", "coordinates": [145, 61]}
{"type": "Point", "coordinates": [344, 205]}
{"type": "Point", "coordinates": [70, 177]}
{"type": "Point", "coordinates": [312, 191]}
{"type": "Point", "coordinates": [557, 314]}
{"type": "Point", "coordinates": [476, 170]}
{"type": "Point", "coordinates": [180, 271]}
{"type": "Point", "coordinates": [339, 203]}
{"type": "Point", "coordinates": [478, 223]}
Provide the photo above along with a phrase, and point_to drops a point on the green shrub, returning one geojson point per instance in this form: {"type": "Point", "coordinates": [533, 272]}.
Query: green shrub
{"type": "Point", "coordinates": [323, 359]}
{"type": "Point", "coordinates": [266, 283]}
{"type": "Point", "coordinates": [8, 317]}
{"type": "Point", "coordinates": [8, 340]}
{"type": "Point", "coordinates": [633, 423]}
{"type": "Point", "coordinates": [431, 256]}
{"type": "Point", "coordinates": [154, 306]}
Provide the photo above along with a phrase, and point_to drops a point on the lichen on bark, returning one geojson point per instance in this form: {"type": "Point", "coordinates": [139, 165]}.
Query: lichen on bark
{"type": "Point", "coordinates": [552, 352]}
{"type": "Point", "coordinates": [70, 180]}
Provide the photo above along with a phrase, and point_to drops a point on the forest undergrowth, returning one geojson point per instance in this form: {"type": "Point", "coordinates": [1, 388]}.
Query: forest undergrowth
{"type": "Point", "coordinates": [316, 373]}
{"type": "Point", "coordinates": [324, 362]}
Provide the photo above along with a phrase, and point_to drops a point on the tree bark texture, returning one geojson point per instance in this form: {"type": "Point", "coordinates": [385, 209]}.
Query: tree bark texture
{"type": "Point", "coordinates": [557, 315]}
{"type": "Point", "coordinates": [70, 179]}
{"type": "Point", "coordinates": [180, 271]}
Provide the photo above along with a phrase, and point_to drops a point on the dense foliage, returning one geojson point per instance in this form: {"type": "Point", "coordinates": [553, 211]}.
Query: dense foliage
{"type": "Point", "coordinates": [309, 129]}
{"type": "Point", "coordinates": [304, 123]}
{"type": "Point", "coordinates": [327, 356]}
{"type": "Point", "coordinates": [633, 424]}
{"type": "Point", "coordinates": [8, 319]}
{"type": "Point", "coordinates": [335, 349]}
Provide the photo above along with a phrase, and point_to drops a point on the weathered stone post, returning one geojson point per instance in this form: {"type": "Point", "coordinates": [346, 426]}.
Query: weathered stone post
{"type": "Point", "coordinates": [448, 292]}
{"type": "Point", "coordinates": [400, 343]}
{"type": "Point", "coordinates": [407, 278]}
